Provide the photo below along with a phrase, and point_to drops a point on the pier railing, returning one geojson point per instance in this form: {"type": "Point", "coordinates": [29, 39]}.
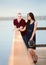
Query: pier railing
{"type": "Point", "coordinates": [44, 44]}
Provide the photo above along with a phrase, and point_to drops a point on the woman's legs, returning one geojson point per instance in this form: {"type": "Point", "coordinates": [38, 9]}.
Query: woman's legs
{"type": "Point", "coordinates": [33, 54]}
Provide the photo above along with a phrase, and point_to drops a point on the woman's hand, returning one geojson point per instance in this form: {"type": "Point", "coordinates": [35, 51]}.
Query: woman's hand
{"type": "Point", "coordinates": [31, 39]}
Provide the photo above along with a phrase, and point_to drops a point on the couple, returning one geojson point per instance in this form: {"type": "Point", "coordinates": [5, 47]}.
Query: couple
{"type": "Point", "coordinates": [21, 53]}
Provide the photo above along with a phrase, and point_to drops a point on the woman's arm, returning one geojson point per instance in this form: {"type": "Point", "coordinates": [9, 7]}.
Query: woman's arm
{"type": "Point", "coordinates": [34, 31]}
{"type": "Point", "coordinates": [23, 29]}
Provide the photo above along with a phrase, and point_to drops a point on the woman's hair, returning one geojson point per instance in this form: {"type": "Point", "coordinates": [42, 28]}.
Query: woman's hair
{"type": "Point", "coordinates": [31, 15]}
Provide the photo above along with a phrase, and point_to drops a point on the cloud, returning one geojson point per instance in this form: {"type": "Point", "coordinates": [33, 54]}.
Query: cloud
{"type": "Point", "coordinates": [11, 7]}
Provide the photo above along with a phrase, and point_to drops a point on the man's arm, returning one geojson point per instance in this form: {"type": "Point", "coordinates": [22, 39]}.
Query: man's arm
{"type": "Point", "coordinates": [16, 29]}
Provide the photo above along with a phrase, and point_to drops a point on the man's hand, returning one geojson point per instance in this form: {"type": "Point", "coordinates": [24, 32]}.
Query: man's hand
{"type": "Point", "coordinates": [21, 27]}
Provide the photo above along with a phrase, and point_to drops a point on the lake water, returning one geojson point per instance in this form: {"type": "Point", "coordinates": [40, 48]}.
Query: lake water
{"type": "Point", "coordinates": [6, 36]}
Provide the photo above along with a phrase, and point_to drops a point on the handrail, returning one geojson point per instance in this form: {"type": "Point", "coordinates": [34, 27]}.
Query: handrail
{"type": "Point", "coordinates": [41, 45]}
{"type": "Point", "coordinates": [41, 28]}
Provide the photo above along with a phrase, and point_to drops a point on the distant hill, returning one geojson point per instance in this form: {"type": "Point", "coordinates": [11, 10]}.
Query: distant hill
{"type": "Point", "coordinates": [40, 17]}
{"type": "Point", "coordinates": [36, 17]}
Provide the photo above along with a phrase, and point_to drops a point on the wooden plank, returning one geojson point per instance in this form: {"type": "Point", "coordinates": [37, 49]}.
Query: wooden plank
{"type": "Point", "coordinates": [41, 55]}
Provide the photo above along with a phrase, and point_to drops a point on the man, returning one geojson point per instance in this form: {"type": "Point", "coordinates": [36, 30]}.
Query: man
{"type": "Point", "coordinates": [20, 23]}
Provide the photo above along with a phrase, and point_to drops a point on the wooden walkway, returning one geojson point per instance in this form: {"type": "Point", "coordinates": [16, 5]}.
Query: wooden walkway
{"type": "Point", "coordinates": [41, 51]}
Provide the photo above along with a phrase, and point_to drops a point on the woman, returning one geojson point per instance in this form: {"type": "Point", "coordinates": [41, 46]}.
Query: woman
{"type": "Point", "coordinates": [31, 28]}
{"type": "Point", "coordinates": [31, 34]}
{"type": "Point", "coordinates": [19, 54]}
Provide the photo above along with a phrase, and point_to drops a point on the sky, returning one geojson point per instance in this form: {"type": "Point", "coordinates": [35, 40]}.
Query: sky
{"type": "Point", "coordinates": [12, 7]}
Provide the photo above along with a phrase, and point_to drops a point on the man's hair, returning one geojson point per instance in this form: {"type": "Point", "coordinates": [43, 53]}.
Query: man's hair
{"type": "Point", "coordinates": [19, 14]}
